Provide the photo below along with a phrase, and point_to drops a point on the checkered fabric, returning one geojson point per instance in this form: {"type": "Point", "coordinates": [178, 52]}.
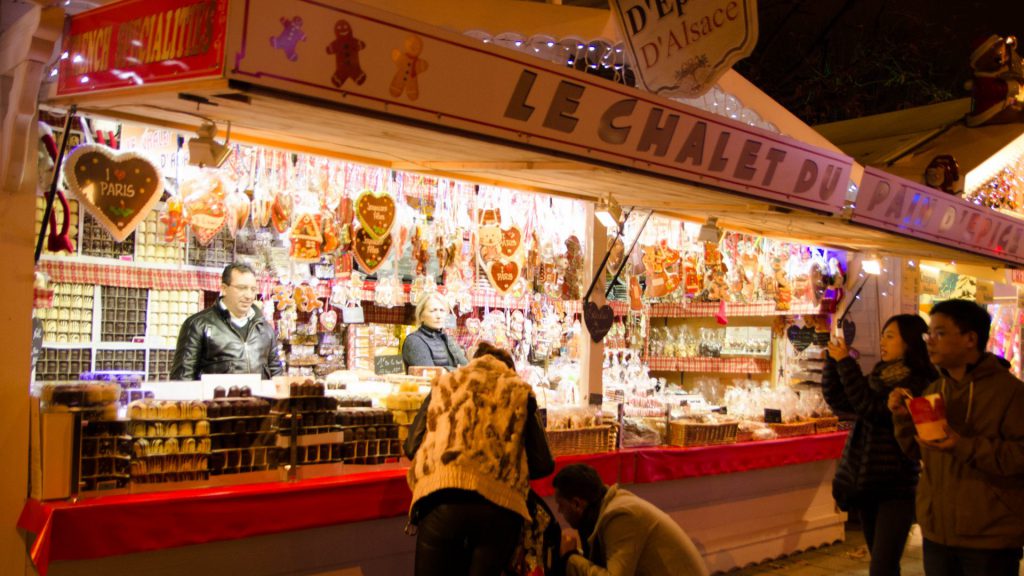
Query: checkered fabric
{"type": "Point", "coordinates": [129, 276]}
{"type": "Point", "coordinates": [42, 298]}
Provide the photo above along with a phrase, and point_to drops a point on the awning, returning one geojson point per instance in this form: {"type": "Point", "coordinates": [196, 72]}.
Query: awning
{"type": "Point", "coordinates": [903, 143]}
{"type": "Point", "coordinates": [375, 87]}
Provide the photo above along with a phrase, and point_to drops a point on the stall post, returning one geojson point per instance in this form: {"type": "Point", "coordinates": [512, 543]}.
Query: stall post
{"type": "Point", "coordinates": [592, 353]}
{"type": "Point", "coordinates": [25, 48]}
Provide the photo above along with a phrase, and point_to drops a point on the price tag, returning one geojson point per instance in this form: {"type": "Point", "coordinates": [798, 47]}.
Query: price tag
{"type": "Point", "coordinates": [37, 339]}
{"type": "Point", "coordinates": [772, 416]}
{"type": "Point", "coordinates": [388, 364]}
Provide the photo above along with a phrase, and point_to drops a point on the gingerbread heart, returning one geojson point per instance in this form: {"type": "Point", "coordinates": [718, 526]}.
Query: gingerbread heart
{"type": "Point", "coordinates": [370, 252]}
{"type": "Point", "coordinates": [117, 189]}
{"type": "Point", "coordinates": [598, 320]}
{"type": "Point", "coordinates": [376, 213]}
{"type": "Point", "coordinates": [511, 241]}
{"type": "Point", "coordinates": [329, 319]}
{"type": "Point", "coordinates": [503, 275]}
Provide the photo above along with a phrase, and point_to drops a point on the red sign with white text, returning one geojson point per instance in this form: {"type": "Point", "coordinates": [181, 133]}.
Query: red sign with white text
{"type": "Point", "coordinates": [913, 209]}
{"type": "Point", "coordinates": [138, 42]}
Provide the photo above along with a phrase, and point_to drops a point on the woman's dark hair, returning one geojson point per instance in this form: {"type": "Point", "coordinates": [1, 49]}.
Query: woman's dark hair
{"type": "Point", "coordinates": [579, 481]}
{"type": "Point", "coordinates": [487, 349]}
{"type": "Point", "coordinates": [912, 329]}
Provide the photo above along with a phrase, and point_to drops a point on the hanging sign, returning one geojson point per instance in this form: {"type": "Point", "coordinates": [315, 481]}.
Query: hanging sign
{"type": "Point", "coordinates": [891, 203]}
{"type": "Point", "coordinates": [682, 47]}
{"type": "Point", "coordinates": [352, 53]}
{"type": "Point", "coordinates": [142, 42]}
{"type": "Point", "coordinates": [118, 189]}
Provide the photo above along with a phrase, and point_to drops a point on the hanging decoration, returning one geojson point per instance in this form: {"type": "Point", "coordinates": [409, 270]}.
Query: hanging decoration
{"type": "Point", "coordinates": [117, 189]}
{"type": "Point", "coordinates": [370, 252]}
{"type": "Point", "coordinates": [204, 206]}
{"type": "Point", "coordinates": [306, 239]}
{"type": "Point", "coordinates": [376, 213]}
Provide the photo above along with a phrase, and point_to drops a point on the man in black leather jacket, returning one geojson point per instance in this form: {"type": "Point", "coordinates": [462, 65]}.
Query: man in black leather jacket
{"type": "Point", "coordinates": [230, 337]}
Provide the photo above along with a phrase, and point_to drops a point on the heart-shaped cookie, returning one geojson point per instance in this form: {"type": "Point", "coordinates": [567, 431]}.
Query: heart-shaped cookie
{"type": "Point", "coordinates": [329, 320]}
{"type": "Point", "coordinates": [503, 275]}
{"type": "Point", "coordinates": [376, 213]}
{"type": "Point", "coordinates": [369, 252]}
{"type": "Point", "coordinates": [511, 241]}
{"type": "Point", "coordinates": [598, 320]}
{"type": "Point", "coordinates": [118, 189]}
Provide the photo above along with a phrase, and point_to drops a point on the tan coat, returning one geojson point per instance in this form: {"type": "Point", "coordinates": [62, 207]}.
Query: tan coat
{"type": "Point", "coordinates": [973, 496]}
{"type": "Point", "coordinates": [474, 436]}
{"type": "Point", "coordinates": [633, 537]}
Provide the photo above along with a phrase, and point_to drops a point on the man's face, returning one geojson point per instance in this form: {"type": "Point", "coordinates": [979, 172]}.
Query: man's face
{"type": "Point", "coordinates": [948, 346]}
{"type": "Point", "coordinates": [571, 509]}
{"type": "Point", "coordinates": [240, 294]}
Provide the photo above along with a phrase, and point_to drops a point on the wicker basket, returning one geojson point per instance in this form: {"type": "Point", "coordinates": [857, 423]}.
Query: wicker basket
{"type": "Point", "coordinates": [684, 433]}
{"type": "Point", "coordinates": [794, 429]}
{"type": "Point", "coordinates": [826, 424]}
{"type": "Point", "coordinates": [593, 440]}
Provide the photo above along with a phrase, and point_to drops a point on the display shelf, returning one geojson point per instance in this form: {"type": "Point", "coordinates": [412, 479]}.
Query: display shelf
{"type": "Point", "coordinates": [711, 309]}
{"type": "Point", "coordinates": [734, 365]}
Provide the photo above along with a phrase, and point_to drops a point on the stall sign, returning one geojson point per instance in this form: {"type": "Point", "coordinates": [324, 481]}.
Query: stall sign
{"type": "Point", "coordinates": [682, 47]}
{"type": "Point", "coordinates": [365, 58]}
{"type": "Point", "coordinates": [891, 203]}
{"type": "Point", "coordinates": [137, 42]}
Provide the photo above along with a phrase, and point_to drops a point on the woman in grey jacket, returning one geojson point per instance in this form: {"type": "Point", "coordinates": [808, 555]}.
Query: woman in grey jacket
{"type": "Point", "coordinates": [428, 345]}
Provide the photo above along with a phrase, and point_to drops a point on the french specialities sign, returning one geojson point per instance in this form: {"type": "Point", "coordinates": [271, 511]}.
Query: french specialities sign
{"type": "Point", "coordinates": [682, 47]}
{"type": "Point", "coordinates": [892, 203]}
{"type": "Point", "coordinates": [142, 42]}
{"type": "Point", "coordinates": [118, 189]}
{"type": "Point", "coordinates": [363, 57]}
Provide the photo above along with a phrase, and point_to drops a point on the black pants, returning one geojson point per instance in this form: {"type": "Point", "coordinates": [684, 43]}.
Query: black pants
{"type": "Point", "coordinates": [886, 524]}
{"type": "Point", "coordinates": [466, 535]}
{"type": "Point", "coordinates": [941, 560]}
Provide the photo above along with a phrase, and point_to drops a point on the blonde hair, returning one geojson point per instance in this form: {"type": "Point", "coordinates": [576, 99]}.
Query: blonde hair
{"type": "Point", "coordinates": [422, 305]}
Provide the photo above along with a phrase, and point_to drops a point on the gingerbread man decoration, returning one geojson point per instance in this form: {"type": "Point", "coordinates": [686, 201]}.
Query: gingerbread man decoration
{"type": "Point", "coordinates": [408, 67]}
{"type": "Point", "coordinates": [346, 49]}
{"type": "Point", "coordinates": [289, 37]}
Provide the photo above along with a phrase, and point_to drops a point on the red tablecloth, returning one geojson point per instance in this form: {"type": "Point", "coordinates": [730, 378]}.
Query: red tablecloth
{"type": "Point", "coordinates": [81, 530]}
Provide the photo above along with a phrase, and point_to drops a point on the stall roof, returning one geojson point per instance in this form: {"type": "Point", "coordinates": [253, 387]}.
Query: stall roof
{"type": "Point", "coordinates": [401, 136]}
{"type": "Point", "coordinates": [904, 142]}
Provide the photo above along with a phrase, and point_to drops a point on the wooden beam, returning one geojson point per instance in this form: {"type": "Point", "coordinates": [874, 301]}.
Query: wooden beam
{"type": "Point", "coordinates": [485, 166]}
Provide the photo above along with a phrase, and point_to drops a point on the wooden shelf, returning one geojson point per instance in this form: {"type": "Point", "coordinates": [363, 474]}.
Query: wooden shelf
{"type": "Point", "coordinates": [733, 365]}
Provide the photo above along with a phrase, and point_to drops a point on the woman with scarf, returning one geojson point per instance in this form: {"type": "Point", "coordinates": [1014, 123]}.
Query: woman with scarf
{"type": "Point", "coordinates": [874, 477]}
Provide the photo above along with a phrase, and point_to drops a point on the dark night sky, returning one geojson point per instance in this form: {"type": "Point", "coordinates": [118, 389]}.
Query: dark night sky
{"type": "Point", "coordinates": [828, 60]}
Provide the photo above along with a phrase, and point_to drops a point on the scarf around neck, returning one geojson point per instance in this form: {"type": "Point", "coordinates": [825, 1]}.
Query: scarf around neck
{"type": "Point", "coordinates": [888, 375]}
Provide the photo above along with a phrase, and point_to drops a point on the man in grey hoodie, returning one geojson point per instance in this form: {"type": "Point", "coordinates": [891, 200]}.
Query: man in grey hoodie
{"type": "Point", "coordinates": [970, 499]}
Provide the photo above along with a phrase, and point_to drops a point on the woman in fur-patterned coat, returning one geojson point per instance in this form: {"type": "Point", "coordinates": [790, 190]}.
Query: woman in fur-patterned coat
{"type": "Point", "coordinates": [474, 445]}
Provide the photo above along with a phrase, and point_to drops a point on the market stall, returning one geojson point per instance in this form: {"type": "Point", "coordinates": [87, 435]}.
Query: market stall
{"type": "Point", "coordinates": [476, 176]}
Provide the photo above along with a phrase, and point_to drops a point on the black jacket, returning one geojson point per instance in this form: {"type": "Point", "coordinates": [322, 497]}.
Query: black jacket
{"type": "Point", "coordinates": [209, 343]}
{"type": "Point", "coordinates": [872, 465]}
